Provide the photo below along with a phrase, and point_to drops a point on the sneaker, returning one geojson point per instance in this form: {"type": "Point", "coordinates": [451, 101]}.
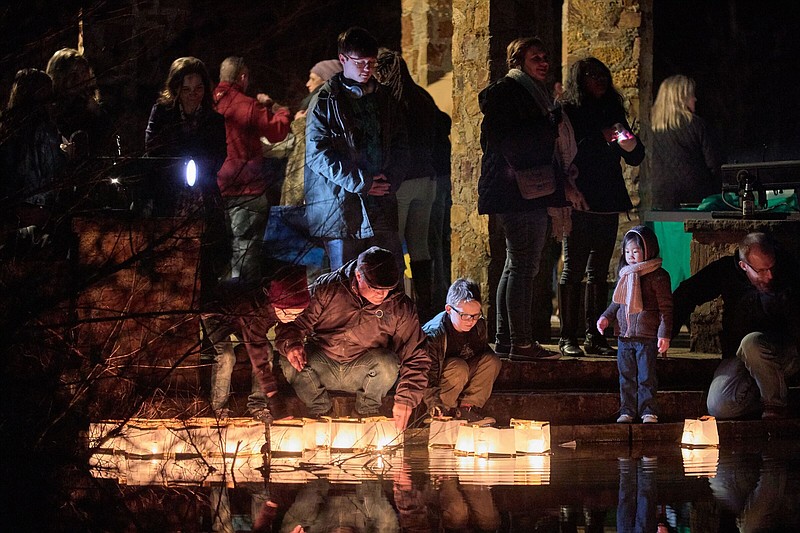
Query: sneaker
{"type": "Point", "coordinates": [649, 419]}
{"type": "Point", "coordinates": [262, 415]}
{"type": "Point", "coordinates": [502, 350]}
{"type": "Point", "coordinates": [625, 419]}
{"type": "Point", "coordinates": [532, 352]}
{"type": "Point", "coordinates": [472, 415]}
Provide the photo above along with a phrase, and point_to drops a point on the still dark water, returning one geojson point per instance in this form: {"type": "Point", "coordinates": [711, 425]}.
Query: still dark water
{"type": "Point", "coordinates": [746, 486]}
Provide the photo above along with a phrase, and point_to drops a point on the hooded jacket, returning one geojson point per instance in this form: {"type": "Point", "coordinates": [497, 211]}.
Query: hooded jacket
{"type": "Point", "coordinates": [246, 121]}
{"type": "Point", "coordinates": [655, 319]}
{"type": "Point", "coordinates": [345, 325]}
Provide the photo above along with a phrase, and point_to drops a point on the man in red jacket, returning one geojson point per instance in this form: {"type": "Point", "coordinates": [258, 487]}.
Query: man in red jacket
{"type": "Point", "coordinates": [242, 178]}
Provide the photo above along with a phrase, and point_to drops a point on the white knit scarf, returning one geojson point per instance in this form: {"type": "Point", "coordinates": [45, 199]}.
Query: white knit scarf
{"type": "Point", "coordinates": [629, 289]}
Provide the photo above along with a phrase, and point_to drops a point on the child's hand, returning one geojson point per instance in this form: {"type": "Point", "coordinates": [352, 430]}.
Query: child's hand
{"type": "Point", "coordinates": [602, 324]}
{"type": "Point", "coordinates": [663, 346]}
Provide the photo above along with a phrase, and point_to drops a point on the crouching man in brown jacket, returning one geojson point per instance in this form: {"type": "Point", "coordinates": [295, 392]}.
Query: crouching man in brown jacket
{"type": "Point", "coordinates": [359, 334]}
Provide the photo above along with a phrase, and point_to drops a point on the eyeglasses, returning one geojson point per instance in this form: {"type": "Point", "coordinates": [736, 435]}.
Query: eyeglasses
{"type": "Point", "coordinates": [466, 316]}
{"type": "Point", "coordinates": [361, 63]}
{"type": "Point", "coordinates": [759, 271]}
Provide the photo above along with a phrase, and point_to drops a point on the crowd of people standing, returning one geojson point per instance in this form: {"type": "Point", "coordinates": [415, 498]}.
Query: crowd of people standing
{"type": "Point", "coordinates": [372, 160]}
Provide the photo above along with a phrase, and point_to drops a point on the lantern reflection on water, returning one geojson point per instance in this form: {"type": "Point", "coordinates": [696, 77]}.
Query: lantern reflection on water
{"type": "Point", "coordinates": [700, 462]}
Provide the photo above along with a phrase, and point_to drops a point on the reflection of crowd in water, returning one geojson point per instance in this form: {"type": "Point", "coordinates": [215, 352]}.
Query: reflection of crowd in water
{"type": "Point", "coordinates": [748, 491]}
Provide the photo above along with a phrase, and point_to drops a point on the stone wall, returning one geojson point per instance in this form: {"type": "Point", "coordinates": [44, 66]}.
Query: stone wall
{"type": "Point", "coordinates": [427, 27]}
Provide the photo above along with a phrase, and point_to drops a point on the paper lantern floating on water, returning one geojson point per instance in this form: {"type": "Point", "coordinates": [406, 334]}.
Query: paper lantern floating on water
{"type": "Point", "coordinates": [443, 432]}
{"type": "Point", "coordinates": [700, 432]}
{"type": "Point", "coordinates": [531, 436]}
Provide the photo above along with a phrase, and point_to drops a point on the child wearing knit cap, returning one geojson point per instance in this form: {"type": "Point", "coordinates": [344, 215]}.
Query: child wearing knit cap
{"type": "Point", "coordinates": [641, 311]}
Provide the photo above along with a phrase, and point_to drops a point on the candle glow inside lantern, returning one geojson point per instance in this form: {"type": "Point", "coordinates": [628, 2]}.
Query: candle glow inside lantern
{"type": "Point", "coordinates": [346, 434]}
{"type": "Point", "coordinates": [465, 440]}
{"type": "Point", "coordinates": [494, 442]}
{"type": "Point", "coordinates": [700, 432]}
{"type": "Point", "coordinates": [380, 432]}
{"type": "Point", "coordinates": [287, 438]}
{"type": "Point", "coordinates": [531, 436]}
{"type": "Point", "coordinates": [443, 432]}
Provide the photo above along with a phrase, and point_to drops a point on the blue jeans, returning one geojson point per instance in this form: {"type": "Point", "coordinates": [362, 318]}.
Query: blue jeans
{"type": "Point", "coordinates": [636, 361]}
{"type": "Point", "coordinates": [370, 377]}
{"type": "Point", "coordinates": [340, 251]}
{"type": "Point", "coordinates": [636, 506]}
{"type": "Point", "coordinates": [525, 233]}
{"type": "Point", "coordinates": [589, 247]}
{"type": "Point", "coordinates": [756, 377]}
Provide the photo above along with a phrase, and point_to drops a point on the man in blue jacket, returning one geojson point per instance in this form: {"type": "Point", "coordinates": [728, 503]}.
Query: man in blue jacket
{"type": "Point", "coordinates": [353, 156]}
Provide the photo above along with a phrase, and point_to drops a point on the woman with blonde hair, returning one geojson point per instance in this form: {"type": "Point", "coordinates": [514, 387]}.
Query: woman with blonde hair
{"type": "Point", "coordinates": [684, 158]}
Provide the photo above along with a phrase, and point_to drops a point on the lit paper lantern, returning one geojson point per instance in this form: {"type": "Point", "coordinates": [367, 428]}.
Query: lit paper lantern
{"type": "Point", "coordinates": [287, 438]}
{"type": "Point", "coordinates": [443, 432]}
{"type": "Point", "coordinates": [531, 436]}
{"type": "Point", "coordinates": [700, 432]}
{"type": "Point", "coordinates": [148, 439]}
{"type": "Point", "coordinates": [494, 442]}
{"type": "Point", "coordinates": [700, 462]}
{"type": "Point", "coordinates": [347, 434]}
{"type": "Point", "coordinates": [465, 440]}
{"type": "Point", "coordinates": [380, 432]}
{"type": "Point", "coordinates": [99, 436]}
{"type": "Point", "coordinates": [310, 426]}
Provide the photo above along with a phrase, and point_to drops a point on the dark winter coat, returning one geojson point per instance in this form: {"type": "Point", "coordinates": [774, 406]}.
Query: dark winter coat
{"type": "Point", "coordinates": [745, 308]}
{"type": "Point", "coordinates": [339, 172]}
{"type": "Point", "coordinates": [515, 136]}
{"type": "Point", "coordinates": [436, 331]}
{"type": "Point", "coordinates": [598, 161]}
{"type": "Point", "coordinates": [344, 325]}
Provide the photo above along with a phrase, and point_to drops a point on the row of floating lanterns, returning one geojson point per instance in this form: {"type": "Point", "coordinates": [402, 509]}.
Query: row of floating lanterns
{"type": "Point", "coordinates": [141, 437]}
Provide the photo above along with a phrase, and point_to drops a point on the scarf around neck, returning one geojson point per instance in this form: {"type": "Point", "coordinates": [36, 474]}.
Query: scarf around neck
{"type": "Point", "coordinates": [534, 87]}
{"type": "Point", "coordinates": [629, 290]}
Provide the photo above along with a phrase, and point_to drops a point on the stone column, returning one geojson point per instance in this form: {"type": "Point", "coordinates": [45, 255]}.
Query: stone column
{"type": "Point", "coordinates": [481, 33]}
{"type": "Point", "coordinates": [427, 36]}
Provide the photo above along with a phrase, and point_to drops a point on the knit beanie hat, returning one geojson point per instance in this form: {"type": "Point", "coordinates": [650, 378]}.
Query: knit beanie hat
{"type": "Point", "coordinates": [290, 289]}
{"type": "Point", "coordinates": [379, 268]}
{"type": "Point", "coordinates": [326, 69]}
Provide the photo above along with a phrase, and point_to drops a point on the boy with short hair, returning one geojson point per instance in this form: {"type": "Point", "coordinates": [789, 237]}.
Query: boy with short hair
{"type": "Point", "coordinates": [463, 365]}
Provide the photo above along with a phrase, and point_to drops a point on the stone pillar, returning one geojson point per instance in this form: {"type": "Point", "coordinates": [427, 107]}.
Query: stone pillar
{"type": "Point", "coordinates": [427, 27]}
{"type": "Point", "coordinates": [481, 33]}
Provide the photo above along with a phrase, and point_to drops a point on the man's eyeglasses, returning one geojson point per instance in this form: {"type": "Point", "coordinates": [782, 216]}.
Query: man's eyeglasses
{"type": "Point", "coordinates": [466, 316]}
{"type": "Point", "coordinates": [759, 271]}
{"type": "Point", "coordinates": [362, 64]}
